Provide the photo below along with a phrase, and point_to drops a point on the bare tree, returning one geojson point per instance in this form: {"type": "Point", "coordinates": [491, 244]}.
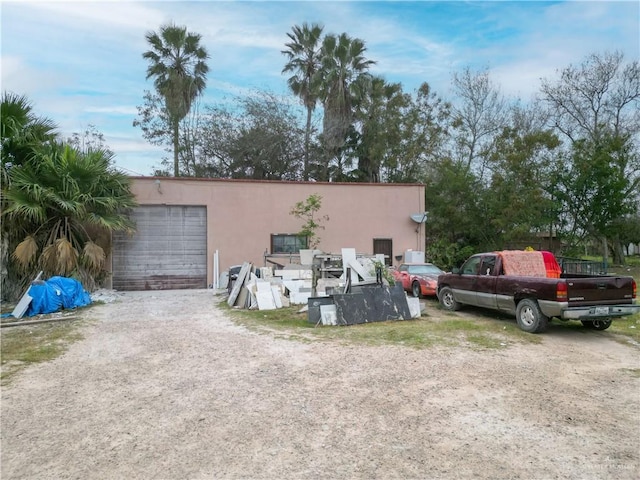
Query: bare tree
{"type": "Point", "coordinates": [601, 94]}
{"type": "Point", "coordinates": [260, 137]}
{"type": "Point", "coordinates": [478, 117]}
{"type": "Point", "coordinates": [595, 106]}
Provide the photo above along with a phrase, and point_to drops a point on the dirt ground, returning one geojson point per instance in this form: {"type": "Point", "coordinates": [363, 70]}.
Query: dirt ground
{"type": "Point", "coordinates": [165, 386]}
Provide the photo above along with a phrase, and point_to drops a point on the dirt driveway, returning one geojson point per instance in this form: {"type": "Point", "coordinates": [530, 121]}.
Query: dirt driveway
{"type": "Point", "coordinates": [164, 386]}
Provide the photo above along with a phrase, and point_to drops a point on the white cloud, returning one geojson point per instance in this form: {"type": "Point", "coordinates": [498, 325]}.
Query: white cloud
{"type": "Point", "coordinates": [89, 14]}
{"type": "Point", "coordinates": [115, 109]}
{"type": "Point", "coordinates": [130, 145]}
{"type": "Point", "coordinates": [20, 77]}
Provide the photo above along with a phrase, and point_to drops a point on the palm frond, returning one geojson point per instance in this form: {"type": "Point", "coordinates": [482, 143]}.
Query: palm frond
{"type": "Point", "coordinates": [67, 256]}
{"type": "Point", "coordinates": [111, 221]}
{"type": "Point", "coordinates": [49, 260]}
{"type": "Point", "coordinates": [93, 257]}
{"type": "Point", "coordinates": [26, 252]}
{"type": "Point", "coordinates": [59, 258]}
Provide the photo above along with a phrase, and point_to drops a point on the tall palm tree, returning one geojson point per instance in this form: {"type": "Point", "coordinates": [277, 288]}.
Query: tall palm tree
{"type": "Point", "coordinates": [342, 79]}
{"type": "Point", "coordinates": [303, 54]}
{"type": "Point", "coordinates": [380, 116]}
{"type": "Point", "coordinates": [177, 62]}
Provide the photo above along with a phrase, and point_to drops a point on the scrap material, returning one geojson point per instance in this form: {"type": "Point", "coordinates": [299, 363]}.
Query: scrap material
{"type": "Point", "coordinates": [371, 303]}
{"type": "Point", "coordinates": [25, 301]}
{"type": "Point", "coordinates": [237, 286]}
{"type": "Point", "coordinates": [359, 296]}
{"type": "Point", "coordinates": [264, 296]}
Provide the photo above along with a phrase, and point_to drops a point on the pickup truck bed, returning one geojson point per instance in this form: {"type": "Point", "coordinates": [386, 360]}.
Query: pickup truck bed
{"type": "Point", "coordinates": [533, 289]}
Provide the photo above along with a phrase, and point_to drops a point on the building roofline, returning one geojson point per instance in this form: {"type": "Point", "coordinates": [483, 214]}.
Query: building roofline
{"type": "Point", "coordinates": [279, 182]}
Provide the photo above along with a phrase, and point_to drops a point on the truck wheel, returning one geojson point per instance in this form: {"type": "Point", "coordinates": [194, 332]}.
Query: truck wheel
{"type": "Point", "coordinates": [529, 316]}
{"type": "Point", "coordinates": [597, 324]}
{"type": "Point", "coordinates": [415, 289]}
{"type": "Point", "coordinates": [446, 299]}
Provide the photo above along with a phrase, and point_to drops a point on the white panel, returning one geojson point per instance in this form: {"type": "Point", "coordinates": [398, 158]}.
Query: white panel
{"type": "Point", "coordinates": [22, 305]}
{"type": "Point", "coordinates": [299, 298]}
{"type": "Point", "coordinates": [414, 256]}
{"type": "Point", "coordinates": [414, 307]}
{"type": "Point", "coordinates": [349, 255]}
{"type": "Point", "coordinates": [328, 314]}
{"type": "Point", "coordinates": [277, 295]}
{"type": "Point", "coordinates": [264, 296]}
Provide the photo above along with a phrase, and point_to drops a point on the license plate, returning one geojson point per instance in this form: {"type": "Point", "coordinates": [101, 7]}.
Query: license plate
{"type": "Point", "coordinates": [601, 310]}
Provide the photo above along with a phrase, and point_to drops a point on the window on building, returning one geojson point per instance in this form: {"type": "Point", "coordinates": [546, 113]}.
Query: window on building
{"type": "Point", "coordinates": [287, 243]}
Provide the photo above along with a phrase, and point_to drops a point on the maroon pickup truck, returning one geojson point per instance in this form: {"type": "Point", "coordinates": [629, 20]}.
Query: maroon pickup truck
{"type": "Point", "coordinates": [531, 286]}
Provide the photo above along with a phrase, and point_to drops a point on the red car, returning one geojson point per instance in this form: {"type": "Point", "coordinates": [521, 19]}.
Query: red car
{"type": "Point", "coordinates": [418, 278]}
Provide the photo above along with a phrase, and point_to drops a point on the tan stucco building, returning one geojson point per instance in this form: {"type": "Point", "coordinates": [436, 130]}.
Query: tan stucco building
{"type": "Point", "coordinates": [183, 222]}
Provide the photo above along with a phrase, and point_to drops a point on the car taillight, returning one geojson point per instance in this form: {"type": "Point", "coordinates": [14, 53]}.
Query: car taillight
{"type": "Point", "coordinates": [561, 292]}
{"type": "Point", "coordinates": [635, 289]}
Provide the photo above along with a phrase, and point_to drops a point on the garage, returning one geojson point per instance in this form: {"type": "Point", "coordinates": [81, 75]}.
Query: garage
{"type": "Point", "coordinates": [168, 250]}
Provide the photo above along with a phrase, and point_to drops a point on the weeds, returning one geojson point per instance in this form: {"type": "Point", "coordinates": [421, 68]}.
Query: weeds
{"type": "Point", "coordinates": [486, 330]}
{"type": "Point", "coordinates": [26, 345]}
{"type": "Point", "coordinates": [448, 330]}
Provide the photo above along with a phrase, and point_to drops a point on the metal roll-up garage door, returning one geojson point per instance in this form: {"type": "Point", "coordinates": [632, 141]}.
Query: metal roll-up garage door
{"type": "Point", "coordinates": [168, 250]}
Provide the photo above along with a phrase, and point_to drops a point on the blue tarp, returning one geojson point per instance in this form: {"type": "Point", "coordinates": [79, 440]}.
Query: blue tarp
{"type": "Point", "coordinates": [55, 294]}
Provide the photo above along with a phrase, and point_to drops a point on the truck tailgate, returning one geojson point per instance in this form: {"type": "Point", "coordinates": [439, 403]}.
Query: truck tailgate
{"type": "Point", "coordinates": [604, 290]}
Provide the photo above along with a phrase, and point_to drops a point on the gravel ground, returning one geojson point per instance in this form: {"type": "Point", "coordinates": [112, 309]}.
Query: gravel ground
{"type": "Point", "coordinates": [165, 386]}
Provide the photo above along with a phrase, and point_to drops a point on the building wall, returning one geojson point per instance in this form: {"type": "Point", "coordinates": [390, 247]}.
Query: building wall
{"type": "Point", "coordinates": [242, 214]}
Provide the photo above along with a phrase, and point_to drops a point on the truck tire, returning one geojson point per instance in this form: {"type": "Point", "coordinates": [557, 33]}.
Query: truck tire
{"type": "Point", "coordinates": [600, 324]}
{"type": "Point", "coordinates": [415, 289]}
{"type": "Point", "coordinates": [529, 316]}
{"type": "Point", "coordinates": [445, 296]}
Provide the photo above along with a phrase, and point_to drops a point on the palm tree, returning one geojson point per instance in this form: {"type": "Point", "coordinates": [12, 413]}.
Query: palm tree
{"type": "Point", "coordinates": [342, 79]}
{"type": "Point", "coordinates": [303, 53]}
{"type": "Point", "coordinates": [380, 116]}
{"type": "Point", "coordinates": [21, 131]}
{"type": "Point", "coordinates": [60, 204]}
{"type": "Point", "coordinates": [177, 64]}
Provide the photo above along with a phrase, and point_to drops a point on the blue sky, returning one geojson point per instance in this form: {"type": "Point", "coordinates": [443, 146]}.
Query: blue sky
{"type": "Point", "coordinates": [80, 62]}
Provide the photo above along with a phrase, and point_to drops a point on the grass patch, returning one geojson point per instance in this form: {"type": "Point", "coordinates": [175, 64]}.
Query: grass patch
{"type": "Point", "coordinates": [30, 344]}
{"type": "Point", "coordinates": [627, 326]}
{"type": "Point", "coordinates": [487, 330]}
{"type": "Point", "coordinates": [631, 267]}
{"type": "Point", "coordinates": [449, 331]}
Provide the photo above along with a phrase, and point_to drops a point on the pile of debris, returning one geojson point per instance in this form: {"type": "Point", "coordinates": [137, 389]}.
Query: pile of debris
{"type": "Point", "coordinates": [359, 295]}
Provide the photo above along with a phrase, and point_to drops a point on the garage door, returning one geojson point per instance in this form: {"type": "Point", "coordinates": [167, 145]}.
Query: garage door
{"type": "Point", "coordinates": [168, 250]}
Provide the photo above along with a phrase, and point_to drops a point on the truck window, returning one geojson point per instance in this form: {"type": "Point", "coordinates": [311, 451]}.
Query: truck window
{"type": "Point", "coordinates": [488, 265]}
{"type": "Point", "coordinates": [471, 266]}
